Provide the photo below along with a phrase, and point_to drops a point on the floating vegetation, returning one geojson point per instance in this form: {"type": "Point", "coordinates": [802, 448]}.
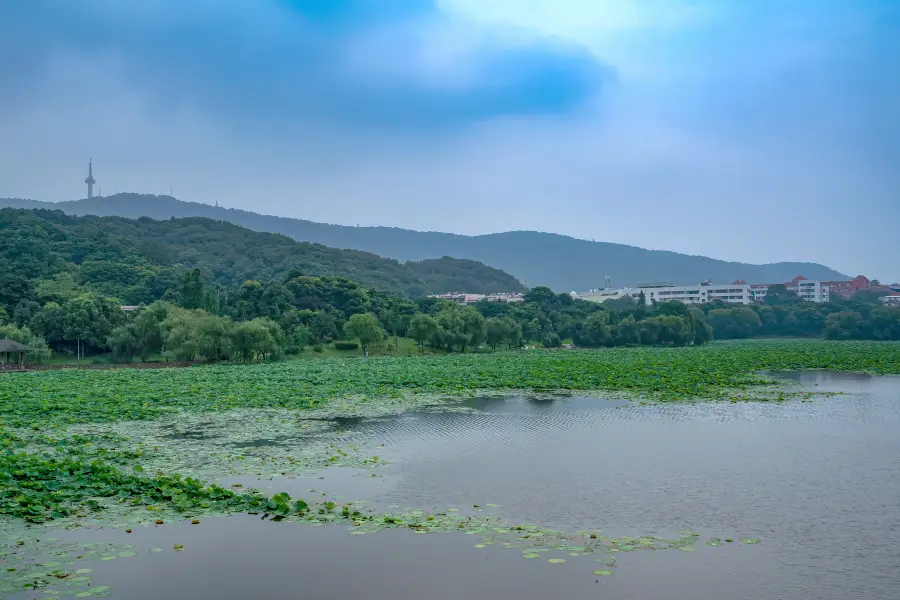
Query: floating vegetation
{"type": "Point", "coordinates": [51, 567]}
{"type": "Point", "coordinates": [352, 387]}
{"type": "Point", "coordinates": [130, 448]}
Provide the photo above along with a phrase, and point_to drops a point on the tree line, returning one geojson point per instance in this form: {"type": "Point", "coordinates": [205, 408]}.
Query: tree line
{"type": "Point", "coordinates": [783, 313]}
{"type": "Point", "coordinates": [197, 321]}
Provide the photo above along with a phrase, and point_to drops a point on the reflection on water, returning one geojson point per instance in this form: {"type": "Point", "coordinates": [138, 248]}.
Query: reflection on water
{"type": "Point", "coordinates": [818, 481]}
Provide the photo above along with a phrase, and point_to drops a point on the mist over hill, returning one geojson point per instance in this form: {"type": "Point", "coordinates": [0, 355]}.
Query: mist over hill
{"type": "Point", "coordinates": [563, 263]}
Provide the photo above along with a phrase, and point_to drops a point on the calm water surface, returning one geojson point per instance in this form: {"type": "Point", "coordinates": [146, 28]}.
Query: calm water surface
{"type": "Point", "coordinates": [818, 481]}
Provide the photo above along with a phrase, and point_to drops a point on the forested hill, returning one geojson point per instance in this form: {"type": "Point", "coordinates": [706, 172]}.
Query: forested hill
{"type": "Point", "coordinates": [560, 262]}
{"type": "Point", "coordinates": [137, 260]}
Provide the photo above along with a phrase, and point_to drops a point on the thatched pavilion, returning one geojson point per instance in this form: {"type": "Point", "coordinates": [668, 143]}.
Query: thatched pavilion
{"type": "Point", "coordinates": [12, 354]}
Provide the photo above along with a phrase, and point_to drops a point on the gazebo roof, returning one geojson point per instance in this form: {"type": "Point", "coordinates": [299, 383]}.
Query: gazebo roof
{"type": "Point", "coordinates": [7, 345]}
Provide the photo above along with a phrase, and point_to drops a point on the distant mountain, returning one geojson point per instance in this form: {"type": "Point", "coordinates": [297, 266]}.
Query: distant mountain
{"type": "Point", "coordinates": [136, 260]}
{"type": "Point", "coordinates": [560, 262]}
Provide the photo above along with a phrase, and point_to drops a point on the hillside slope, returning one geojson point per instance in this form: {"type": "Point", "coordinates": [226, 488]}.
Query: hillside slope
{"type": "Point", "coordinates": [560, 262]}
{"type": "Point", "coordinates": [135, 259]}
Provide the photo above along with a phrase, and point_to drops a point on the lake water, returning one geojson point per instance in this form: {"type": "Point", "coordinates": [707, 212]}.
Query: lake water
{"type": "Point", "coordinates": [818, 482]}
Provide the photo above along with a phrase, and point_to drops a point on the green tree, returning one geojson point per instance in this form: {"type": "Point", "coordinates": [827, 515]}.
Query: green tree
{"type": "Point", "coordinates": [472, 327]}
{"type": "Point", "coordinates": [422, 328]}
{"type": "Point", "coordinates": [542, 296]}
{"type": "Point", "coordinates": [594, 332]}
{"type": "Point", "coordinates": [551, 340]}
{"type": "Point", "coordinates": [734, 323]}
{"type": "Point", "coordinates": [191, 295]}
{"type": "Point", "coordinates": [122, 343]}
{"type": "Point", "coordinates": [845, 325]}
{"type": "Point", "coordinates": [25, 311]}
{"type": "Point", "coordinates": [88, 321]}
{"type": "Point", "coordinates": [147, 328]}
{"type": "Point", "coordinates": [365, 328]}
{"type": "Point", "coordinates": [495, 331]}
{"type": "Point", "coordinates": [24, 335]}
{"type": "Point", "coordinates": [60, 288]}
{"type": "Point", "coordinates": [627, 332]}
{"type": "Point", "coordinates": [778, 294]}
{"type": "Point", "coordinates": [196, 335]}
{"type": "Point", "coordinates": [297, 339]}
{"type": "Point", "coordinates": [257, 339]}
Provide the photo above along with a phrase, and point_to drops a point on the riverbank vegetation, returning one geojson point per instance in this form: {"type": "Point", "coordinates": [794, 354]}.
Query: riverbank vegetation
{"type": "Point", "coordinates": [64, 281]}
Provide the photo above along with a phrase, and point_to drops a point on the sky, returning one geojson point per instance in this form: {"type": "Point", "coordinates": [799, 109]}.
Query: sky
{"type": "Point", "coordinates": [749, 130]}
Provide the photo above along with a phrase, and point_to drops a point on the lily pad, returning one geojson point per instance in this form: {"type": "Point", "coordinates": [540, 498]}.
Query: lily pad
{"type": "Point", "coordinates": [556, 561]}
{"type": "Point", "coordinates": [603, 573]}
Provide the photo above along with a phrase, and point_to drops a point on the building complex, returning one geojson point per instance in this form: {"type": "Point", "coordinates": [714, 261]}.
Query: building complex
{"type": "Point", "coordinates": [463, 298]}
{"type": "Point", "coordinates": [739, 292]}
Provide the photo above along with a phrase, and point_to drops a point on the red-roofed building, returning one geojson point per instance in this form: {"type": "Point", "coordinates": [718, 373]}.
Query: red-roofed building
{"type": "Point", "coordinates": [807, 289]}
{"type": "Point", "coordinates": [846, 289]}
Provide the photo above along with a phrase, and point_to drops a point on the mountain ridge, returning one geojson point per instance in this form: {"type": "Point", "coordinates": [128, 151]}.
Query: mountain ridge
{"type": "Point", "coordinates": [136, 258]}
{"type": "Point", "coordinates": [561, 262]}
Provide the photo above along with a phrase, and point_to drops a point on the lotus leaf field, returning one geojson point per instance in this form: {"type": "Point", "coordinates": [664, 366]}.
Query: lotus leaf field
{"type": "Point", "coordinates": [131, 448]}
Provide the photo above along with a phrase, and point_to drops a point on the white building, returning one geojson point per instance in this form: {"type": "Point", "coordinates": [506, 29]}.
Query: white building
{"type": "Point", "coordinates": [892, 300]}
{"type": "Point", "coordinates": [463, 299]}
{"type": "Point", "coordinates": [688, 294]}
{"type": "Point", "coordinates": [807, 289]}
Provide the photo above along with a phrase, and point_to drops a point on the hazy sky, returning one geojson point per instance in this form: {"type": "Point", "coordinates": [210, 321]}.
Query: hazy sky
{"type": "Point", "coordinates": [752, 130]}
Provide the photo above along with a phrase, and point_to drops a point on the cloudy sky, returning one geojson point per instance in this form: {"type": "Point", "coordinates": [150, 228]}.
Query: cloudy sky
{"type": "Point", "coordinates": [752, 130]}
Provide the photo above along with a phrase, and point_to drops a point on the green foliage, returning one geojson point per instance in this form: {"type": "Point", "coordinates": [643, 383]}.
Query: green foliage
{"type": "Point", "coordinates": [190, 335]}
{"type": "Point", "coordinates": [423, 328]}
{"type": "Point", "coordinates": [138, 260]}
{"type": "Point", "coordinates": [23, 335]}
{"type": "Point", "coordinates": [734, 323]}
{"type": "Point", "coordinates": [503, 330]}
{"type": "Point", "coordinates": [258, 339]}
{"type": "Point", "coordinates": [38, 489]}
{"type": "Point", "coordinates": [346, 345]}
{"type": "Point", "coordinates": [76, 396]}
{"type": "Point", "coordinates": [365, 328]}
{"type": "Point", "coordinates": [847, 319]}
{"type": "Point", "coordinates": [551, 340]}
{"type": "Point", "coordinates": [560, 262]}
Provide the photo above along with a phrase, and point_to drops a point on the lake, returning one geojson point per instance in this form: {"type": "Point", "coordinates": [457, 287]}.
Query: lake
{"type": "Point", "coordinates": [818, 482]}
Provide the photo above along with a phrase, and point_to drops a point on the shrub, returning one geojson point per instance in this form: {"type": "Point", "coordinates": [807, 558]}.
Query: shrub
{"type": "Point", "coordinates": [346, 345]}
{"type": "Point", "coordinates": [551, 340]}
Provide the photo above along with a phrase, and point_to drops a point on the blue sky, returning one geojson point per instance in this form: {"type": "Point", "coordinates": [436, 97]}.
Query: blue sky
{"type": "Point", "coordinates": [747, 130]}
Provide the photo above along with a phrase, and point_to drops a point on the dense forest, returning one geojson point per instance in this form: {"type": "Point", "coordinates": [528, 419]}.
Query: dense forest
{"type": "Point", "coordinates": [65, 280]}
{"type": "Point", "coordinates": [136, 261]}
{"type": "Point", "coordinates": [194, 321]}
{"type": "Point", "coordinates": [562, 263]}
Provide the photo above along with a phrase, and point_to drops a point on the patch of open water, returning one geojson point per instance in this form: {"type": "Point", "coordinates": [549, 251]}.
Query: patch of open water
{"type": "Point", "coordinates": [818, 481]}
